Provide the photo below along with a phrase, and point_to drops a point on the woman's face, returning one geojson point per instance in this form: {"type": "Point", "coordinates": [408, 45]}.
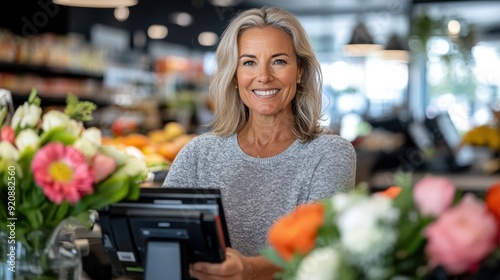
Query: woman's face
{"type": "Point", "coordinates": [267, 71]}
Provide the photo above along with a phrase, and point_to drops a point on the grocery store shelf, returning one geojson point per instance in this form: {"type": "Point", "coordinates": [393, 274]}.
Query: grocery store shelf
{"type": "Point", "coordinates": [49, 71]}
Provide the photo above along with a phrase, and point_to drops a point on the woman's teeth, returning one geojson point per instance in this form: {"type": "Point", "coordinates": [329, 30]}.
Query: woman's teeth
{"type": "Point", "coordinates": [265, 92]}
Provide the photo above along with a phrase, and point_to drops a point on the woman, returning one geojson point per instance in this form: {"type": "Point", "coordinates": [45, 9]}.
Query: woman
{"type": "Point", "coordinates": [267, 152]}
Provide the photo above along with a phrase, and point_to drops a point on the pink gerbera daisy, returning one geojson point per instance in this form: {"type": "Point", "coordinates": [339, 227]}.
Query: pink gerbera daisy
{"type": "Point", "coordinates": [62, 172]}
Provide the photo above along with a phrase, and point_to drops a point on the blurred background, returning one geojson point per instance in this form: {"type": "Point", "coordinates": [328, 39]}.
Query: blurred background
{"type": "Point", "coordinates": [413, 85]}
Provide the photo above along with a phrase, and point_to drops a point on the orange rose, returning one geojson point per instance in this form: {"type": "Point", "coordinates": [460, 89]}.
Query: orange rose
{"type": "Point", "coordinates": [391, 192]}
{"type": "Point", "coordinates": [297, 231]}
{"type": "Point", "coordinates": [493, 200]}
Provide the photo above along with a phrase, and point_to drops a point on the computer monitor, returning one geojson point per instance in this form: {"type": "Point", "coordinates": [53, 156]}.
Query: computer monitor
{"type": "Point", "coordinates": [164, 231]}
{"type": "Point", "coordinates": [448, 142]}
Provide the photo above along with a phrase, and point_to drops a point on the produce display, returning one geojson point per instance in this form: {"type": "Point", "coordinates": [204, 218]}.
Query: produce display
{"type": "Point", "coordinates": [487, 135]}
{"type": "Point", "coordinates": [484, 135]}
{"type": "Point", "coordinates": [158, 147]}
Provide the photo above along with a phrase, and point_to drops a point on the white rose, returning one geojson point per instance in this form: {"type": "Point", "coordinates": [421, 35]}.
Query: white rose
{"type": "Point", "coordinates": [26, 115]}
{"type": "Point", "coordinates": [93, 135]}
{"type": "Point", "coordinates": [320, 264]}
{"type": "Point", "coordinates": [86, 147]}
{"type": "Point", "coordinates": [27, 138]}
{"type": "Point", "coordinates": [341, 201]}
{"type": "Point", "coordinates": [365, 226]}
{"type": "Point", "coordinates": [8, 151]}
{"type": "Point", "coordinates": [53, 119]}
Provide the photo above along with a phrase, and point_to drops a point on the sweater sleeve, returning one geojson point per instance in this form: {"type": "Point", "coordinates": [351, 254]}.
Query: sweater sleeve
{"type": "Point", "coordinates": [336, 171]}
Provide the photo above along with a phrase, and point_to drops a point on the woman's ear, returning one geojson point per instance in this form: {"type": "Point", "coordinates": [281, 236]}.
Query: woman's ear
{"type": "Point", "coordinates": [299, 76]}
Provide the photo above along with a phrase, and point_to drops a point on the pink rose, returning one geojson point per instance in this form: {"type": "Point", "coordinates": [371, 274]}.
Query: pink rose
{"type": "Point", "coordinates": [462, 236]}
{"type": "Point", "coordinates": [8, 134]}
{"type": "Point", "coordinates": [433, 194]}
{"type": "Point", "coordinates": [102, 166]}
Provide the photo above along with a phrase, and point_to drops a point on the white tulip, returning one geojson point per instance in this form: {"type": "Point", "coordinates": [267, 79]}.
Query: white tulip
{"type": "Point", "coordinates": [53, 119]}
{"type": "Point", "coordinates": [8, 151]}
{"type": "Point", "coordinates": [27, 138]}
{"type": "Point", "coordinates": [320, 264]}
{"type": "Point", "coordinates": [26, 115]}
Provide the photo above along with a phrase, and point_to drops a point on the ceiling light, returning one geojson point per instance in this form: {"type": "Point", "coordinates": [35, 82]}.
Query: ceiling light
{"type": "Point", "coordinates": [207, 38]}
{"type": "Point", "coordinates": [395, 50]}
{"type": "Point", "coordinates": [121, 13]}
{"type": "Point", "coordinates": [157, 31]}
{"type": "Point", "coordinates": [182, 19]}
{"type": "Point", "coordinates": [96, 3]}
{"type": "Point", "coordinates": [454, 27]}
{"type": "Point", "coordinates": [361, 43]}
{"type": "Point", "coordinates": [224, 3]}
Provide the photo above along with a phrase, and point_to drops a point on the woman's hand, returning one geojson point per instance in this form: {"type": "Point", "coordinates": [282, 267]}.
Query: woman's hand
{"type": "Point", "coordinates": [235, 267]}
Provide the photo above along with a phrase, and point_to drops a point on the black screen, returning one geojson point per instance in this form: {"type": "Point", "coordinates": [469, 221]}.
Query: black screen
{"type": "Point", "coordinates": [163, 231]}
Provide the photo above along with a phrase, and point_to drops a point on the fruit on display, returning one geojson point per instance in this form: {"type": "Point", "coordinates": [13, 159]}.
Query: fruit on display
{"type": "Point", "coordinates": [156, 162]}
{"type": "Point", "coordinates": [159, 146]}
{"type": "Point", "coordinates": [172, 130]}
{"type": "Point", "coordinates": [484, 135]}
{"type": "Point", "coordinates": [124, 126]}
{"type": "Point", "coordinates": [136, 140]}
{"type": "Point", "coordinates": [156, 136]}
{"type": "Point", "coordinates": [169, 150]}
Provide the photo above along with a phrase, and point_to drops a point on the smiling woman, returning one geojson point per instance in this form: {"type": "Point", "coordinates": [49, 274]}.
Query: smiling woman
{"type": "Point", "coordinates": [267, 152]}
{"type": "Point", "coordinates": [267, 73]}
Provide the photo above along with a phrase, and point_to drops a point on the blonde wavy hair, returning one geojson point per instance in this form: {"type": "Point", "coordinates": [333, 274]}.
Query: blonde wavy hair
{"type": "Point", "coordinates": [230, 112]}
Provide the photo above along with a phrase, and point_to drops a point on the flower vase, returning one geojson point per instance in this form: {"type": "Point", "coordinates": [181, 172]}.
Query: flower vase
{"type": "Point", "coordinates": [43, 255]}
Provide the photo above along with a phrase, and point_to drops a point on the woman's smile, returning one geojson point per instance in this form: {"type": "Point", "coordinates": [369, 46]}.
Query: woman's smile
{"type": "Point", "coordinates": [266, 93]}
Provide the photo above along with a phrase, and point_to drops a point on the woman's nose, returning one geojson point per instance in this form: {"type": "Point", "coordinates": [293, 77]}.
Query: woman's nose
{"type": "Point", "coordinates": [264, 74]}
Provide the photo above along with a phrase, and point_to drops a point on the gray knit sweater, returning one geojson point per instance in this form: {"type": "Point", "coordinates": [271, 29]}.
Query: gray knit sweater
{"type": "Point", "coordinates": [257, 191]}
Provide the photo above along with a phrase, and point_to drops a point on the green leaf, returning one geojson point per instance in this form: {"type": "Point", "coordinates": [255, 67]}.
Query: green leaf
{"type": "Point", "coordinates": [58, 134]}
{"type": "Point", "coordinates": [404, 201]}
{"type": "Point", "coordinates": [61, 213]}
{"type": "Point", "coordinates": [79, 110]}
{"type": "Point", "coordinates": [3, 115]}
{"type": "Point", "coordinates": [35, 218]}
{"type": "Point", "coordinates": [274, 257]}
{"type": "Point", "coordinates": [107, 192]}
{"type": "Point", "coordinates": [33, 98]}
{"type": "Point", "coordinates": [133, 191]}
{"type": "Point", "coordinates": [328, 232]}
{"type": "Point", "coordinates": [84, 219]}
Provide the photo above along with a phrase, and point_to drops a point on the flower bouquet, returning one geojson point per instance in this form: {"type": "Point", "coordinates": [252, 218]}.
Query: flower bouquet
{"type": "Point", "coordinates": [427, 231]}
{"type": "Point", "coordinates": [53, 169]}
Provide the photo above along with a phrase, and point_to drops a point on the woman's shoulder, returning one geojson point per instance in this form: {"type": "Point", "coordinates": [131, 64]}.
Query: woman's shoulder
{"type": "Point", "coordinates": [208, 139]}
{"type": "Point", "coordinates": [331, 139]}
{"type": "Point", "coordinates": [333, 143]}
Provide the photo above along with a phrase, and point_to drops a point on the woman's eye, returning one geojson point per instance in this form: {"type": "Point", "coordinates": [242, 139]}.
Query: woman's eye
{"type": "Point", "coordinates": [248, 63]}
{"type": "Point", "coordinates": [280, 61]}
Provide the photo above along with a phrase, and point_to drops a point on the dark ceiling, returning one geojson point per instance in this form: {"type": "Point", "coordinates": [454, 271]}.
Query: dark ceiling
{"type": "Point", "coordinates": [29, 18]}
{"type": "Point", "coordinates": [32, 17]}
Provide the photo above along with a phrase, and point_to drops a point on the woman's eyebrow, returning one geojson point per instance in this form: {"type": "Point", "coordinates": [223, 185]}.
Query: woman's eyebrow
{"type": "Point", "coordinates": [253, 56]}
